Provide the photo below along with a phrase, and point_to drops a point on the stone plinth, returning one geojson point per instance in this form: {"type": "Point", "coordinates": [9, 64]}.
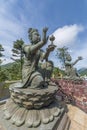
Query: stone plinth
{"type": "Point", "coordinates": [33, 98]}
{"type": "Point", "coordinates": [61, 122]}
{"type": "Point", "coordinates": [34, 109]}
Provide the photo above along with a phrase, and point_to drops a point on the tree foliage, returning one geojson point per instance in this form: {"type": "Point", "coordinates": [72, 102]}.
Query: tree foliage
{"type": "Point", "coordinates": [3, 76]}
{"type": "Point", "coordinates": [17, 52]}
{"type": "Point", "coordinates": [1, 54]}
{"type": "Point", "coordinates": [61, 54]}
{"type": "Point", "coordinates": [57, 73]}
{"type": "Point", "coordinates": [12, 71]}
{"type": "Point", "coordinates": [1, 49]}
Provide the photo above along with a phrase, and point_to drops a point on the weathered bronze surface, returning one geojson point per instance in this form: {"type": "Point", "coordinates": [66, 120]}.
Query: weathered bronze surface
{"type": "Point", "coordinates": [32, 104]}
{"type": "Point", "coordinates": [70, 71]}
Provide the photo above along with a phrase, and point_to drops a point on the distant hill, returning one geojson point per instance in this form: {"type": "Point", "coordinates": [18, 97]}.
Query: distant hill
{"type": "Point", "coordinates": [9, 65]}
{"type": "Point", "coordinates": [10, 71]}
{"type": "Point", "coordinates": [82, 71]}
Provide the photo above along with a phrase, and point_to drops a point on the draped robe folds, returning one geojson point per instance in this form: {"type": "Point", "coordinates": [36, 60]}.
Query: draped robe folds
{"type": "Point", "coordinates": [30, 67]}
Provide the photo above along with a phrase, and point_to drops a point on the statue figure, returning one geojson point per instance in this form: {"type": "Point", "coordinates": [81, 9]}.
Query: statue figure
{"type": "Point", "coordinates": [31, 73]}
{"type": "Point", "coordinates": [33, 101]}
{"type": "Point", "coordinates": [69, 69]}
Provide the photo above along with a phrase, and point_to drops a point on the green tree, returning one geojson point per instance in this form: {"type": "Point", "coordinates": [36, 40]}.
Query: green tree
{"type": "Point", "coordinates": [17, 52]}
{"type": "Point", "coordinates": [1, 54]}
{"type": "Point", "coordinates": [61, 54]}
{"type": "Point", "coordinates": [58, 72]}
{"type": "Point", "coordinates": [3, 76]}
{"type": "Point", "coordinates": [14, 72]}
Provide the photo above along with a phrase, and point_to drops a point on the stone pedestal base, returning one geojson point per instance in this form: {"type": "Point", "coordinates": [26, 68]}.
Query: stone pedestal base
{"type": "Point", "coordinates": [32, 109]}
{"type": "Point", "coordinates": [60, 122]}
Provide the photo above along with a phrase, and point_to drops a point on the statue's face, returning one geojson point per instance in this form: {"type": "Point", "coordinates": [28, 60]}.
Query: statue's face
{"type": "Point", "coordinates": [35, 37]}
{"type": "Point", "coordinates": [69, 58]}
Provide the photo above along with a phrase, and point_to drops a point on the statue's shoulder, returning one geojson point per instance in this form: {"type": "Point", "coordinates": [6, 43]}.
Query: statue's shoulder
{"type": "Point", "coordinates": [68, 62]}
{"type": "Point", "coordinates": [25, 46]}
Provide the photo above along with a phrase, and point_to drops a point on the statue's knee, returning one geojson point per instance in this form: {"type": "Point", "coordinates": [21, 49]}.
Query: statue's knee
{"type": "Point", "coordinates": [36, 81]}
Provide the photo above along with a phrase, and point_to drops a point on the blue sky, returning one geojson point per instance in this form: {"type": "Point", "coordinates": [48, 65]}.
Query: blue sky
{"type": "Point", "coordinates": [67, 20]}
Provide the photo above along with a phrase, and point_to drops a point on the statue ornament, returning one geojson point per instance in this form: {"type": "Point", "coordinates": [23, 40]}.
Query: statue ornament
{"type": "Point", "coordinates": [33, 102]}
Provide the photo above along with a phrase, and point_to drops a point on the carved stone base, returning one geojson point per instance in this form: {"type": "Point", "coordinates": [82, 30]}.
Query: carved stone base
{"type": "Point", "coordinates": [33, 98]}
{"type": "Point", "coordinates": [31, 118]}
{"type": "Point", "coordinates": [32, 109]}
{"type": "Point", "coordinates": [61, 121]}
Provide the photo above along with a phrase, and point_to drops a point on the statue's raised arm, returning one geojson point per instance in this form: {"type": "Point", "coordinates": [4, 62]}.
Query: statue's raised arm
{"type": "Point", "coordinates": [78, 59]}
{"type": "Point", "coordinates": [35, 39]}
{"type": "Point", "coordinates": [49, 49]}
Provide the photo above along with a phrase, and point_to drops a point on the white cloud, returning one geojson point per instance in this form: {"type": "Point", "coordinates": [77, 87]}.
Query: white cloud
{"type": "Point", "coordinates": [6, 60]}
{"type": "Point", "coordinates": [15, 21]}
{"type": "Point", "coordinates": [7, 54]}
{"type": "Point", "coordinates": [81, 52]}
{"type": "Point", "coordinates": [11, 26]}
{"type": "Point", "coordinates": [7, 49]}
{"type": "Point", "coordinates": [67, 34]}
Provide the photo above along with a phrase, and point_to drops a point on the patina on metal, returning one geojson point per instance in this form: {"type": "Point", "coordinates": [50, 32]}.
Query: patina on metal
{"type": "Point", "coordinates": [70, 71]}
{"type": "Point", "coordinates": [33, 104]}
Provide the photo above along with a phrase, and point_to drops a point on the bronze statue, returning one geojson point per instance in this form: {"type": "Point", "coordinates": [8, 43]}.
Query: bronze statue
{"type": "Point", "coordinates": [69, 69]}
{"type": "Point", "coordinates": [33, 54]}
{"type": "Point", "coordinates": [33, 101]}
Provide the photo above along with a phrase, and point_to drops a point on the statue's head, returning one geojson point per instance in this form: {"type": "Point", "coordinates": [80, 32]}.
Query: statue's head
{"type": "Point", "coordinates": [68, 57]}
{"type": "Point", "coordinates": [34, 35]}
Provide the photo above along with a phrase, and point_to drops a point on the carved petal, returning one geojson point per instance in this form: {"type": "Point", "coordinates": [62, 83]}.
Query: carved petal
{"type": "Point", "coordinates": [19, 116]}
{"type": "Point", "coordinates": [46, 116]}
{"type": "Point", "coordinates": [36, 120]}
{"type": "Point", "coordinates": [33, 118]}
{"type": "Point", "coordinates": [10, 110]}
{"type": "Point", "coordinates": [55, 111]}
{"type": "Point", "coordinates": [8, 103]}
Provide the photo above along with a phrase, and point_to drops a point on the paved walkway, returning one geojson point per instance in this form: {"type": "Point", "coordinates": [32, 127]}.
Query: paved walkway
{"type": "Point", "coordinates": [78, 118]}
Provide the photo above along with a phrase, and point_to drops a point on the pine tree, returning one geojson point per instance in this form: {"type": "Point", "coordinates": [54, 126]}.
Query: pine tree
{"type": "Point", "coordinates": [17, 52]}
{"type": "Point", "coordinates": [1, 54]}
{"type": "Point", "coordinates": [61, 54]}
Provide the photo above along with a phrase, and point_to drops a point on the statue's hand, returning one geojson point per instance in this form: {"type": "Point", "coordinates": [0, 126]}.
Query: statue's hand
{"type": "Point", "coordinates": [45, 29]}
{"type": "Point", "coordinates": [51, 48]}
{"type": "Point", "coordinates": [45, 38]}
{"type": "Point", "coordinates": [80, 58]}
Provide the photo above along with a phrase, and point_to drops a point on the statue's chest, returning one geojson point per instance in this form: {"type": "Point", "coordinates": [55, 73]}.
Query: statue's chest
{"type": "Point", "coordinates": [36, 55]}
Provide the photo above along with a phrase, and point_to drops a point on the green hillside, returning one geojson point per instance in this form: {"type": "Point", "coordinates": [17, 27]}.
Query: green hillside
{"type": "Point", "coordinates": [82, 71]}
{"type": "Point", "coordinates": [9, 65]}
{"type": "Point", "coordinates": [10, 71]}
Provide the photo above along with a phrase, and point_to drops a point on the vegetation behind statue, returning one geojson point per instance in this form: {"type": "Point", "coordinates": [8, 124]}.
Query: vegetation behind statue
{"type": "Point", "coordinates": [66, 59]}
